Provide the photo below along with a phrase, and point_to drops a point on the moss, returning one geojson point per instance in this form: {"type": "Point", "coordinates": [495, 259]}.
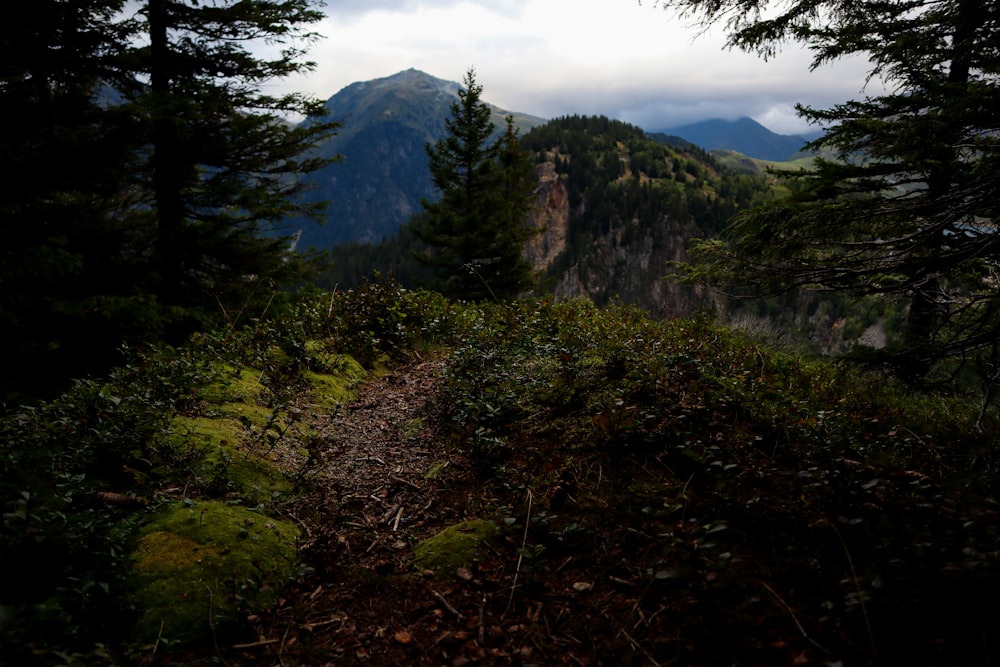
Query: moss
{"type": "Point", "coordinates": [207, 560]}
{"type": "Point", "coordinates": [234, 386]}
{"type": "Point", "coordinates": [257, 415]}
{"type": "Point", "coordinates": [435, 470]}
{"type": "Point", "coordinates": [211, 431]}
{"type": "Point", "coordinates": [412, 429]}
{"type": "Point", "coordinates": [214, 445]}
{"type": "Point", "coordinates": [332, 389]}
{"type": "Point", "coordinates": [454, 547]}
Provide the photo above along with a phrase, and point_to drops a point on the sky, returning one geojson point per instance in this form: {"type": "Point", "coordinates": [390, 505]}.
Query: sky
{"type": "Point", "coordinates": [634, 62]}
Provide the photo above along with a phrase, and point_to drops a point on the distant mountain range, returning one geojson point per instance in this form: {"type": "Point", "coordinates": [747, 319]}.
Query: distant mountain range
{"type": "Point", "coordinates": [388, 122]}
{"type": "Point", "coordinates": [744, 135]}
{"type": "Point", "coordinates": [383, 176]}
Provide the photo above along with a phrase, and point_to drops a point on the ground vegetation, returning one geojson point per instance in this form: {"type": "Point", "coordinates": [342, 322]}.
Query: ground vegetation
{"type": "Point", "coordinates": [521, 483]}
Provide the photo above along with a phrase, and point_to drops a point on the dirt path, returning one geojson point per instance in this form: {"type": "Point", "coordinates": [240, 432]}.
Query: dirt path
{"type": "Point", "coordinates": [382, 467]}
{"type": "Point", "coordinates": [384, 481]}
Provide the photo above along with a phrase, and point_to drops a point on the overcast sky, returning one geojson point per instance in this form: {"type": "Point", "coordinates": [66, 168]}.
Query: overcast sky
{"type": "Point", "coordinates": [632, 62]}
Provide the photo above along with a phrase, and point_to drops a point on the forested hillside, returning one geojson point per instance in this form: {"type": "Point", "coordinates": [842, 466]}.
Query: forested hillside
{"type": "Point", "coordinates": [631, 204]}
{"type": "Point", "coordinates": [616, 207]}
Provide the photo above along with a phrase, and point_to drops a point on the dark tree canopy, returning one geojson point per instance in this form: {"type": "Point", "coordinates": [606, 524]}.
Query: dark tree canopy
{"type": "Point", "coordinates": [144, 169]}
{"type": "Point", "coordinates": [476, 231]}
{"type": "Point", "coordinates": [909, 207]}
{"type": "Point", "coordinates": [224, 159]}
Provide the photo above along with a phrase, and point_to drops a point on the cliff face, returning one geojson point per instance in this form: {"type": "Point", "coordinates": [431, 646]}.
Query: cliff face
{"type": "Point", "coordinates": [626, 264]}
{"type": "Point", "coordinates": [551, 215]}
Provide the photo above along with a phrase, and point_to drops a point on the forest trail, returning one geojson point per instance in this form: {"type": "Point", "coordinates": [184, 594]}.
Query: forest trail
{"type": "Point", "coordinates": [384, 480]}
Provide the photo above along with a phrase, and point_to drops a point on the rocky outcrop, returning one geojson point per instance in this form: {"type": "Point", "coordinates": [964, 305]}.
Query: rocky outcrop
{"type": "Point", "coordinates": [627, 264]}
{"type": "Point", "coordinates": [550, 215]}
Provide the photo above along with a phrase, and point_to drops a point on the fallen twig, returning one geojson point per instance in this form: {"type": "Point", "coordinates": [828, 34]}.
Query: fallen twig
{"type": "Point", "coordinates": [406, 482]}
{"type": "Point", "coordinates": [446, 604]}
{"type": "Point", "coordinates": [795, 619]}
{"type": "Point", "coordinates": [520, 555]}
{"type": "Point", "coordinates": [252, 645]}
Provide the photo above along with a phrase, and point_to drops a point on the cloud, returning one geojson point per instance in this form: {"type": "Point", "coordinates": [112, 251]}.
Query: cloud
{"type": "Point", "coordinates": [352, 9]}
{"type": "Point", "coordinates": [558, 57]}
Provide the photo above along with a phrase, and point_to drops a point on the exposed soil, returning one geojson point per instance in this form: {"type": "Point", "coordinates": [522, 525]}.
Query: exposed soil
{"type": "Point", "coordinates": [578, 590]}
{"type": "Point", "coordinates": [384, 481]}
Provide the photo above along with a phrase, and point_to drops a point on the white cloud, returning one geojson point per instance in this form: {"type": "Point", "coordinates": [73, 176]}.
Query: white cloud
{"type": "Point", "coordinates": [556, 57]}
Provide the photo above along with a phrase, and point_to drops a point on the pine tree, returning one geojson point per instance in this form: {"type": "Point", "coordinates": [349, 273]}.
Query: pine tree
{"type": "Point", "coordinates": [476, 231]}
{"type": "Point", "coordinates": [224, 162]}
{"type": "Point", "coordinates": [144, 168]}
{"type": "Point", "coordinates": [909, 208]}
{"type": "Point", "coordinates": [62, 238]}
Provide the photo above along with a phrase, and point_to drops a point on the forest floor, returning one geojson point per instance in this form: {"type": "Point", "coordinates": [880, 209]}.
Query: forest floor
{"type": "Point", "coordinates": [590, 547]}
{"type": "Point", "coordinates": [386, 481]}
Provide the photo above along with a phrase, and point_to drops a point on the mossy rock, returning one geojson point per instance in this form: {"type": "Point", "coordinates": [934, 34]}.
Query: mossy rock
{"type": "Point", "coordinates": [234, 386]}
{"type": "Point", "coordinates": [328, 390]}
{"type": "Point", "coordinates": [219, 462]}
{"type": "Point", "coordinates": [207, 560]}
{"type": "Point", "coordinates": [456, 546]}
{"type": "Point", "coordinates": [208, 431]}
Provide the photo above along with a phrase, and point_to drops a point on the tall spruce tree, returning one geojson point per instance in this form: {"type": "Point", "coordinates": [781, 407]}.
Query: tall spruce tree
{"type": "Point", "coordinates": [143, 166]}
{"type": "Point", "coordinates": [63, 241]}
{"type": "Point", "coordinates": [909, 210]}
{"type": "Point", "coordinates": [223, 160]}
{"type": "Point", "coordinates": [476, 231]}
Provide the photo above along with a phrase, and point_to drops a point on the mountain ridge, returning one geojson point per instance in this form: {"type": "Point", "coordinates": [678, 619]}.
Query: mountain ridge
{"type": "Point", "coordinates": [383, 176]}
{"type": "Point", "coordinates": [379, 184]}
{"type": "Point", "coordinates": [744, 135]}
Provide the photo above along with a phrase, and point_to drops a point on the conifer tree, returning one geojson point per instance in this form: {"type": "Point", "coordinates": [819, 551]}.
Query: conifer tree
{"type": "Point", "coordinates": [144, 165]}
{"type": "Point", "coordinates": [476, 231]}
{"type": "Point", "coordinates": [63, 243]}
{"type": "Point", "coordinates": [223, 160]}
{"type": "Point", "coordinates": [909, 208]}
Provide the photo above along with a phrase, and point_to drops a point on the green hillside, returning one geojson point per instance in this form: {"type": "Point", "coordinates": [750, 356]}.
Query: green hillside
{"type": "Point", "coordinates": [740, 163]}
{"type": "Point", "coordinates": [530, 482]}
{"type": "Point", "coordinates": [629, 195]}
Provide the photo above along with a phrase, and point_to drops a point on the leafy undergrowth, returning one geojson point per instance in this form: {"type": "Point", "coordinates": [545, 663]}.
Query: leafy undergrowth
{"type": "Point", "coordinates": [655, 492]}
{"type": "Point", "coordinates": [89, 482]}
{"type": "Point", "coordinates": [669, 493]}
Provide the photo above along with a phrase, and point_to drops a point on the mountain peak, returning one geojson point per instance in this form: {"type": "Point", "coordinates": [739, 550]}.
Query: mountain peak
{"type": "Point", "coordinates": [412, 80]}
{"type": "Point", "coordinates": [416, 79]}
{"type": "Point", "coordinates": [744, 135]}
{"type": "Point", "coordinates": [387, 123]}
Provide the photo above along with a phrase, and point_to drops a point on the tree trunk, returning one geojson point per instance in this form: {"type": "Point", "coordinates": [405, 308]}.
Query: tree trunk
{"type": "Point", "coordinates": [926, 311]}
{"type": "Point", "coordinates": [167, 170]}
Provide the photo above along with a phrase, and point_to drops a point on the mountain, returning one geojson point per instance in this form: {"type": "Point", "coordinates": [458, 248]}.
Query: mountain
{"type": "Point", "coordinates": [378, 185]}
{"type": "Point", "coordinates": [615, 204]}
{"type": "Point", "coordinates": [744, 135]}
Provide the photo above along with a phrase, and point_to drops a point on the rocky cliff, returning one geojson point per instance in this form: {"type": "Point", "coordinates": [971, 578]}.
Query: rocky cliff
{"type": "Point", "coordinates": [628, 264]}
